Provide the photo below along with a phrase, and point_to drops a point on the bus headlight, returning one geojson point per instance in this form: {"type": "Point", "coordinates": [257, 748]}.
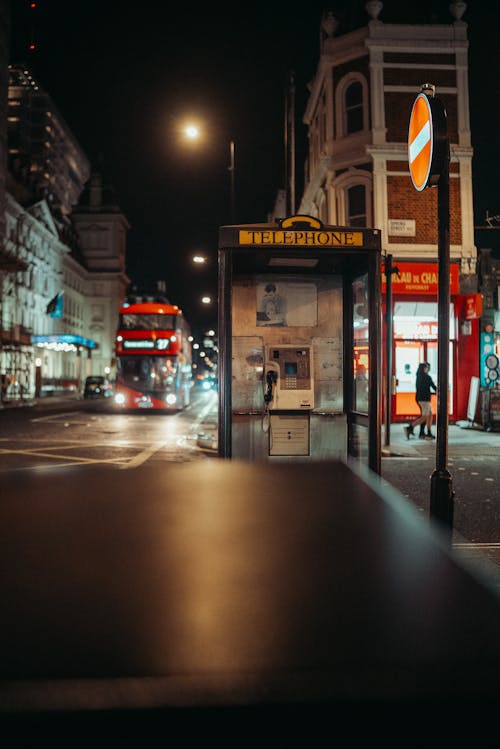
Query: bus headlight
{"type": "Point", "coordinates": [119, 399]}
{"type": "Point", "coordinates": [171, 399]}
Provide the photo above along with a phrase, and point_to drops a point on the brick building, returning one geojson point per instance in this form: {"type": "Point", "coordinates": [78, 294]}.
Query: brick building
{"type": "Point", "coordinates": [357, 174]}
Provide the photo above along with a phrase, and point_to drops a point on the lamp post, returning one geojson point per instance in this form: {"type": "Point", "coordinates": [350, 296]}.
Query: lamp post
{"type": "Point", "coordinates": [231, 177]}
{"type": "Point", "coordinates": [192, 132]}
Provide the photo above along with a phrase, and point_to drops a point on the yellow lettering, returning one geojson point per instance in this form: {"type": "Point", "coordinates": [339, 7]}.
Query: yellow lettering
{"type": "Point", "coordinates": [429, 277]}
{"type": "Point", "coordinates": [303, 237]}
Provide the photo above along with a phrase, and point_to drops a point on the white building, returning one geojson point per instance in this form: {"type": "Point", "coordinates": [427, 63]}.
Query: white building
{"type": "Point", "coordinates": [62, 269]}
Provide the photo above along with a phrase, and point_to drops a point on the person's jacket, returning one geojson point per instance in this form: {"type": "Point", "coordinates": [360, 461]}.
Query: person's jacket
{"type": "Point", "coordinates": [424, 385]}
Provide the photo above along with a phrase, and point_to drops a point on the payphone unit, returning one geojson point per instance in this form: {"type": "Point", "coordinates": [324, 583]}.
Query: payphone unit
{"type": "Point", "coordinates": [288, 378]}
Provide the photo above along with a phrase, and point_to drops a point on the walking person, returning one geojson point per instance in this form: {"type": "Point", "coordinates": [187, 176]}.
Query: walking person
{"type": "Point", "coordinates": [423, 384]}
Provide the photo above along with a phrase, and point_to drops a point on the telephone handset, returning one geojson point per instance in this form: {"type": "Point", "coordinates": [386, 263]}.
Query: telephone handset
{"type": "Point", "coordinates": [270, 382]}
{"type": "Point", "coordinates": [288, 381]}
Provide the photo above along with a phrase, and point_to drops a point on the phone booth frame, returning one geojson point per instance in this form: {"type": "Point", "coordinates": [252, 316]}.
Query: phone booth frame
{"type": "Point", "coordinates": [301, 246]}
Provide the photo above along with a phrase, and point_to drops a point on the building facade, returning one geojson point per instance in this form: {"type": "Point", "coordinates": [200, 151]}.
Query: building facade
{"type": "Point", "coordinates": [357, 174]}
{"type": "Point", "coordinates": [60, 287]}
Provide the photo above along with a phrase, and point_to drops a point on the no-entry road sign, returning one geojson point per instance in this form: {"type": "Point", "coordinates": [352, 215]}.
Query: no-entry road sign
{"type": "Point", "coordinates": [426, 141]}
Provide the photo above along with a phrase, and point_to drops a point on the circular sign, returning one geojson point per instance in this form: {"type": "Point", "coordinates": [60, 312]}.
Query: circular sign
{"type": "Point", "coordinates": [427, 141]}
{"type": "Point", "coordinates": [492, 361]}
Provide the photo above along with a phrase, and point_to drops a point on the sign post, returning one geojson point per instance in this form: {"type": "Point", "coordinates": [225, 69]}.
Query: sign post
{"type": "Point", "coordinates": [429, 162]}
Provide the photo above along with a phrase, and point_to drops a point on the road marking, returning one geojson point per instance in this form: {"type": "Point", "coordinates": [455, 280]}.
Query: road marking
{"type": "Point", "coordinates": [62, 415]}
{"type": "Point", "coordinates": [70, 459]}
{"type": "Point", "coordinates": [144, 455]}
{"type": "Point", "coordinates": [54, 449]}
{"type": "Point", "coordinates": [43, 452]}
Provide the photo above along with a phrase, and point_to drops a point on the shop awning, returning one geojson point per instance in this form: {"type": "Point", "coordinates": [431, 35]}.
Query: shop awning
{"type": "Point", "coordinates": [52, 341]}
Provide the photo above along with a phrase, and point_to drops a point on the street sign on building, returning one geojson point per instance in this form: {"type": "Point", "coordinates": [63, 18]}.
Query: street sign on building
{"type": "Point", "coordinates": [426, 141]}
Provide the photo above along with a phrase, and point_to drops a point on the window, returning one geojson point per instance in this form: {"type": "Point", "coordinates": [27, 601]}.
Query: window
{"type": "Point", "coordinates": [356, 206]}
{"type": "Point", "coordinates": [351, 198]}
{"type": "Point", "coordinates": [351, 105]}
{"type": "Point", "coordinates": [353, 108]}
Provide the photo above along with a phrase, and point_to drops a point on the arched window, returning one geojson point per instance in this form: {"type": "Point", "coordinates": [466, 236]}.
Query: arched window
{"type": "Point", "coordinates": [356, 206]}
{"type": "Point", "coordinates": [353, 108]}
{"type": "Point", "coordinates": [352, 198]}
{"type": "Point", "coordinates": [351, 105]}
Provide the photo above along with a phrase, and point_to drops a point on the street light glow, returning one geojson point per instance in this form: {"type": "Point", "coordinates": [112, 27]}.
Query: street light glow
{"type": "Point", "coordinates": [192, 132]}
{"type": "Point", "coordinates": [206, 299]}
{"type": "Point", "coordinates": [199, 259]}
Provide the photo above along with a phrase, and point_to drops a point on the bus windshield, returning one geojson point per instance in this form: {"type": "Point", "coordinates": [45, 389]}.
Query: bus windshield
{"type": "Point", "coordinates": [147, 373]}
{"type": "Point", "coordinates": [147, 322]}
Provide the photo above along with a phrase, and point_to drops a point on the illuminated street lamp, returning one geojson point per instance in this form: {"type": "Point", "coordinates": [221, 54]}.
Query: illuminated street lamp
{"type": "Point", "coordinates": [206, 299]}
{"type": "Point", "coordinates": [192, 132]}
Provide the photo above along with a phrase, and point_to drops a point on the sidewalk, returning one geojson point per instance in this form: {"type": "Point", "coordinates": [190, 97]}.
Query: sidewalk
{"type": "Point", "coordinates": [460, 439]}
{"type": "Point", "coordinates": [46, 401]}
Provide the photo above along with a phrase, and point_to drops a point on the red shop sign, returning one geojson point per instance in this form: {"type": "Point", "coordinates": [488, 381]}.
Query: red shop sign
{"type": "Point", "coordinates": [420, 278]}
{"type": "Point", "coordinates": [472, 306]}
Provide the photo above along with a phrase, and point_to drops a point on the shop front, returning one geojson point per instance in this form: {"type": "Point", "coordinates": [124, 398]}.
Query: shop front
{"type": "Point", "coordinates": [415, 337]}
{"type": "Point", "coordinates": [62, 362]}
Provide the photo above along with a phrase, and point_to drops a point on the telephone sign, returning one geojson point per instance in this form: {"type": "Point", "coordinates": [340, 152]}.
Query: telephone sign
{"type": "Point", "coordinates": [427, 142]}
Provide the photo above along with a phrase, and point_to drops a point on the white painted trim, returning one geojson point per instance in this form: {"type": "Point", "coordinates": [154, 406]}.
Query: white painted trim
{"type": "Point", "coordinates": [408, 89]}
{"type": "Point", "coordinates": [340, 110]}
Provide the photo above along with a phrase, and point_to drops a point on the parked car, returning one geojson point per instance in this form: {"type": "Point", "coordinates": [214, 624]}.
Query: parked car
{"type": "Point", "coordinates": [97, 387]}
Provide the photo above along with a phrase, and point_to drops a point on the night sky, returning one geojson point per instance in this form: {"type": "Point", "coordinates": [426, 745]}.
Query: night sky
{"type": "Point", "coordinates": [125, 78]}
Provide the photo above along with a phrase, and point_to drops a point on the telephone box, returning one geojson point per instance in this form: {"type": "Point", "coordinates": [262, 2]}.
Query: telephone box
{"type": "Point", "coordinates": [299, 342]}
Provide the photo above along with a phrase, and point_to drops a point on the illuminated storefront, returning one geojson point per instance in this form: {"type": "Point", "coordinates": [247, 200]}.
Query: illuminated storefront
{"type": "Point", "coordinates": [61, 362]}
{"type": "Point", "coordinates": [415, 337]}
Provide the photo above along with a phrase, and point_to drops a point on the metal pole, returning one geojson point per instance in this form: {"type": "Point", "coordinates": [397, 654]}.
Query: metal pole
{"type": "Point", "coordinates": [285, 150]}
{"type": "Point", "coordinates": [441, 502]}
{"type": "Point", "coordinates": [375, 347]}
{"type": "Point", "coordinates": [388, 348]}
{"type": "Point", "coordinates": [231, 177]}
{"type": "Point", "coordinates": [292, 144]}
{"type": "Point", "coordinates": [225, 354]}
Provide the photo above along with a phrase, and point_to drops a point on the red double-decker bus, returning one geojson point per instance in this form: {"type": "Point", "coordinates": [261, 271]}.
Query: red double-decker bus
{"type": "Point", "coordinates": [153, 357]}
